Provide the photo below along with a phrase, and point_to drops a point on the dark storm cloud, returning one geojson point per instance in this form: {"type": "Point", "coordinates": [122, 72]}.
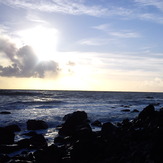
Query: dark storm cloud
{"type": "Point", "coordinates": [23, 62]}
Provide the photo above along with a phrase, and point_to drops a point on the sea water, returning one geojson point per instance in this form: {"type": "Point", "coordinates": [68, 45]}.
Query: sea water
{"type": "Point", "coordinates": [51, 106]}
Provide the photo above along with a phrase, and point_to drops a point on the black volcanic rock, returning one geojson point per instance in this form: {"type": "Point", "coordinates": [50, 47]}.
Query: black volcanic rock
{"type": "Point", "coordinates": [36, 125]}
{"type": "Point", "coordinates": [38, 141]}
{"type": "Point", "coordinates": [131, 141]}
{"type": "Point", "coordinates": [51, 154]}
{"type": "Point", "coordinates": [125, 110]}
{"type": "Point", "coordinates": [76, 117]}
{"type": "Point", "coordinates": [6, 136]}
{"type": "Point", "coordinates": [24, 143]}
{"type": "Point", "coordinates": [13, 128]}
{"type": "Point", "coordinates": [5, 112]}
{"type": "Point", "coordinates": [108, 129]}
{"type": "Point", "coordinates": [147, 112]}
{"type": "Point", "coordinates": [135, 111]}
{"type": "Point", "coordinates": [73, 123]}
{"type": "Point", "coordinates": [96, 123]}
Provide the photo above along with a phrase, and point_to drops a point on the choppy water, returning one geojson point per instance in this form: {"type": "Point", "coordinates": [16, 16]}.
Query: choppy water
{"type": "Point", "coordinates": [51, 106]}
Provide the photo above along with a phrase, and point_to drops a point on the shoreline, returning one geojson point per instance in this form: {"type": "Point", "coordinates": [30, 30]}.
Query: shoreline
{"type": "Point", "coordinates": [136, 140]}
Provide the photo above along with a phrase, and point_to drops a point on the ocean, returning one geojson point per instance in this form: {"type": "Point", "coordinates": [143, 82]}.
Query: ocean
{"type": "Point", "coordinates": [51, 106]}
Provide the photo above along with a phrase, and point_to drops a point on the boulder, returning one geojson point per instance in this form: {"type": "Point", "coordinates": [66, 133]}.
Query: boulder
{"type": "Point", "coordinates": [84, 151]}
{"type": "Point", "coordinates": [5, 112]}
{"type": "Point", "coordinates": [84, 133]}
{"type": "Point", "coordinates": [76, 117]}
{"type": "Point", "coordinates": [125, 110]}
{"type": "Point", "coordinates": [73, 123]}
{"type": "Point", "coordinates": [13, 128]}
{"type": "Point", "coordinates": [135, 111]}
{"type": "Point", "coordinates": [9, 148]}
{"type": "Point", "coordinates": [48, 155]}
{"type": "Point", "coordinates": [38, 141]}
{"type": "Point", "coordinates": [108, 129]}
{"type": "Point", "coordinates": [6, 136]}
{"type": "Point", "coordinates": [4, 158]}
{"type": "Point", "coordinates": [36, 125]}
{"type": "Point", "coordinates": [24, 143]}
{"type": "Point", "coordinates": [96, 123]}
{"type": "Point", "coordinates": [147, 112]}
{"type": "Point", "coordinates": [31, 133]}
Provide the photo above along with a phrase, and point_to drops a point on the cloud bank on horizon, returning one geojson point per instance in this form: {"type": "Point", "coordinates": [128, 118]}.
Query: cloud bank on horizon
{"type": "Point", "coordinates": [107, 39]}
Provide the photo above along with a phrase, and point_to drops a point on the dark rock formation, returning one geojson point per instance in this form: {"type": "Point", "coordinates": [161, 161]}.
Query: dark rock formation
{"type": "Point", "coordinates": [36, 125]}
{"type": "Point", "coordinates": [38, 141]}
{"type": "Point", "coordinates": [5, 112]}
{"type": "Point", "coordinates": [131, 141]}
{"type": "Point", "coordinates": [135, 111]}
{"type": "Point", "coordinates": [96, 123]}
{"type": "Point", "coordinates": [13, 128]}
{"type": "Point", "coordinates": [125, 110]}
{"type": "Point", "coordinates": [31, 133]}
{"type": "Point", "coordinates": [147, 112]}
{"type": "Point", "coordinates": [6, 136]}
{"type": "Point", "coordinates": [73, 122]}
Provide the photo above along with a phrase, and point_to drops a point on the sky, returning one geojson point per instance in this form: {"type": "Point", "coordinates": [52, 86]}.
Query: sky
{"type": "Point", "coordinates": [99, 45]}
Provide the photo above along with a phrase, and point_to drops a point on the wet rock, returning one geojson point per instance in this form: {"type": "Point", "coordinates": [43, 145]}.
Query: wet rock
{"type": "Point", "coordinates": [147, 112]}
{"type": "Point", "coordinates": [5, 112]}
{"type": "Point", "coordinates": [84, 133]}
{"type": "Point", "coordinates": [125, 110]}
{"type": "Point", "coordinates": [126, 124]}
{"type": "Point", "coordinates": [125, 106]}
{"type": "Point", "coordinates": [76, 117]}
{"type": "Point", "coordinates": [6, 136]}
{"type": "Point", "coordinates": [38, 141]}
{"type": "Point", "coordinates": [24, 143]}
{"type": "Point", "coordinates": [60, 140]}
{"type": "Point", "coordinates": [20, 161]}
{"type": "Point", "coordinates": [137, 140]}
{"type": "Point", "coordinates": [6, 149]}
{"type": "Point", "coordinates": [13, 128]}
{"type": "Point", "coordinates": [31, 133]}
{"type": "Point", "coordinates": [108, 129]}
{"type": "Point", "coordinates": [135, 111]}
{"type": "Point", "coordinates": [36, 125]}
{"type": "Point", "coordinates": [96, 123]}
{"type": "Point", "coordinates": [73, 122]}
{"type": "Point", "coordinates": [4, 158]}
{"type": "Point", "coordinates": [149, 97]}
{"type": "Point", "coordinates": [50, 154]}
{"type": "Point", "coordinates": [84, 152]}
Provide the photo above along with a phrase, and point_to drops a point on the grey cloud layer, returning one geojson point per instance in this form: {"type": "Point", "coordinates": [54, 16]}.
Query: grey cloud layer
{"type": "Point", "coordinates": [24, 62]}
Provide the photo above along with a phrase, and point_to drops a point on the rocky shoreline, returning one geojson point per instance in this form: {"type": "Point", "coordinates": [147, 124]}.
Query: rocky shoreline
{"type": "Point", "coordinates": [131, 141]}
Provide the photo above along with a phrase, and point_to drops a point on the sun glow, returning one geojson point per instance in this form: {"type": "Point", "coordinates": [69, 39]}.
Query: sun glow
{"type": "Point", "coordinates": [42, 40]}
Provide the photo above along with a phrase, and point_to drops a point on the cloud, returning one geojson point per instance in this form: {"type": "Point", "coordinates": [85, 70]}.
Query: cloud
{"type": "Point", "coordinates": [133, 10]}
{"type": "Point", "coordinates": [125, 34]}
{"type": "Point", "coordinates": [146, 12]}
{"type": "Point", "coordinates": [72, 7]}
{"type": "Point", "coordinates": [67, 7]}
{"type": "Point", "coordinates": [119, 34]}
{"type": "Point", "coordinates": [155, 3]}
{"type": "Point", "coordinates": [102, 27]}
{"type": "Point", "coordinates": [23, 62]}
{"type": "Point", "coordinates": [95, 41]}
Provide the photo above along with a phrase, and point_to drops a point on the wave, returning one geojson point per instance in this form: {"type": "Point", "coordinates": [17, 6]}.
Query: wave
{"type": "Point", "coordinates": [36, 102]}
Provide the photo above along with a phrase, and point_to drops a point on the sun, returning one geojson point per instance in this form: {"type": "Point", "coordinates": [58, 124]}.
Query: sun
{"type": "Point", "coordinates": [43, 40]}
